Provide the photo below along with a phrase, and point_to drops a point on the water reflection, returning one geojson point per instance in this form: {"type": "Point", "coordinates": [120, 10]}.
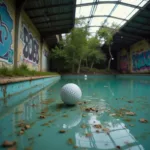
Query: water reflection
{"type": "Point", "coordinates": [119, 135]}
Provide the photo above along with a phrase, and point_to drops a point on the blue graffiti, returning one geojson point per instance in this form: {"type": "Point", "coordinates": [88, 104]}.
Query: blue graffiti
{"type": "Point", "coordinates": [6, 27]}
{"type": "Point", "coordinates": [141, 61]}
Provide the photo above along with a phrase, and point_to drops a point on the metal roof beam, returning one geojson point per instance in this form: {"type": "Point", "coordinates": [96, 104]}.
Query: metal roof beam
{"type": "Point", "coordinates": [130, 34]}
{"type": "Point", "coordinates": [54, 26]}
{"type": "Point", "coordinates": [46, 34]}
{"type": "Point", "coordinates": [49, 6]}
{"type": "Point", "coordinates": [145, 30]}
{"type": "Point", "coordinates": [103, 16]}
{"type": "Point", "coordinates": [52, 21]}
{"type": "Point", "coordinates": [137, 34]}
{"type": "Point", "coordinates": [50, 15]}
{"type": "Point", "coordinates": [109, 2]}
{"type": "Point", "coordinates": [140, 23]}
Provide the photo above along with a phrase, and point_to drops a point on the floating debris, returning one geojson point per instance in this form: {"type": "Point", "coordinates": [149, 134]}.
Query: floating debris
{"type": "Point", "coordinates": [8, 143]}
{"type": "Point", "coordinates": [106, 130]}
{"type": "Point", "coordinates": [83, 126]}
{"type": "Point", "coordinates": [21, 132]}
{"type": "Point", "coordinates": [142, 120]}
{"type": "Point", "coordinates": [12, 148]}
{"type": "Point", "coordinates": [39, 134]}
{"type": "Point", "coordinates": [34, 105]}
{"type": "Point", "coordinates": [27, 126]}
{"type": "Point", "coordinates": [45, 124]}
{"type": "Point", "coordinates": [132, 125]}
{"type": "Point", "coordinates": [83, 115]}
{"type": "Point", "coordinates": [28, 148]}
{"type": "Point", "coordinates": [70, 141]}
{"type": "Point", "coordinates": [97, 131]}
{"type": "Point", "coordinates": [75, 146]}
{"type": "Point", "coordinates": [47, 101]}
{"type": "Point", "coordinates": [21, 124]}
{"type": "Point", "coordinates": [112, 114]}
{"type": "Point", "coordinates": [118, 147]}
{"type": "Point", "coordinates": [130, 113]}
{"type": "Point", "coordinates": [98, 126]}
{"type": "Point", "coordinates": [91, 109]}
{"type": "Point", "coordinates": [65, 115]}
{"type": "Point", "coordinates": [130, 101]}
{"type": "Point", "coordinates": [88, 134]}
{"type": "Point", "coordinates": [79, 103]}
{"type": "Point", "coordinates": [23, 129]}
{"type": "Point", "coordinates": [42, 117]}
{"type": "Point", "coordinates": [62, 131]}
{"type": "Point", "coordinates": [18, 112]}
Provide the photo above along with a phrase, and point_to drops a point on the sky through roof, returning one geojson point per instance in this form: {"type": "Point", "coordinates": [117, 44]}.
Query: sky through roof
{"type": "Point", "coordinates": [98, 13]}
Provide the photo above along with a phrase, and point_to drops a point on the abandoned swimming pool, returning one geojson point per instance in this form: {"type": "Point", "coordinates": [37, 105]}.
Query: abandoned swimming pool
{"type": "Point", "coordinates": [113, 114]}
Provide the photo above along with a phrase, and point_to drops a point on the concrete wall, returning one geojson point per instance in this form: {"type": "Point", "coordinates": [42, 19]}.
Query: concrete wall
{"type": "Point", "coordinates": [7, 30]}
{"type": "Point", "coordinates": [137, 59]}
{"type": "Point", "coordinates": [31, 50]}
{"type": "Point", "coordinates": [29, 44]}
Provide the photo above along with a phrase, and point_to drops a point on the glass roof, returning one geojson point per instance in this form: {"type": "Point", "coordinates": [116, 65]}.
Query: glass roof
{"type": "Point", "coordinates": [100, 13]}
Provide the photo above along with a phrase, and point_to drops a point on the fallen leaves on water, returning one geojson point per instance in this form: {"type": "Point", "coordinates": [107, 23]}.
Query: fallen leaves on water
{"type": "Point", "coordinates": [62, 131]}
{"type": "Point", "coordinates": [88, 134]}
{"type": "Point", "coordinates": [70, 141]}
{"type": "Point", "coordinates": [98, 126]}
{"type": "Point", "coordinates": [129, 113]}
{"type": "Point", "coordinates": [28, 148]}
{"type": "Point", "coordinates": [79, 103]}
{"type": "Point", "coordinates": [112, 114]}
{"type": "Point", "coordinates": [106, 130]}
{"type": "Point", "coordinates": [18, 112]}
{"type": "Point", "coordinates": [97, 131]}
{"type": "Point", "coordinates": [83, 115]}
{"type": "Point", "coordinates": [51, 121]}
{"type": "Point", "coordinates": [118, 147]}
{"type": "Point", "coordinates": [142, 120]}
{"type": "Point", "coordinates": [65, 115]}
{"type": "Point", "coordinates": [91, 109]}
{"type": "Point", "coordinates": [75, 146]}
{"type": "Point", "coordinates": [48, 101]}
{"type": "Point", "coordinates": [27, 126]}
{"type": "Point", "coordinates": [30, 138]}
{"type": "Point", "coordinates": [131, 125]}
{"type": "Point", "coordinates": [42, 117]}
{"type": "Point", "coordinates": [83, 126]}
{"type": "Point", "coordinates": [12, 148]}
{"type": "Point", "coordinates": [45, 124]}
{"type": "Point", "coordinates": [8, 143]}
{"type": "Point", "coordinates": [130, 101]}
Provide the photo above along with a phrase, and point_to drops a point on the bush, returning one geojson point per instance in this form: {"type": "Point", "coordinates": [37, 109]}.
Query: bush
{"type": "Point", "coordinates": [23, 71]}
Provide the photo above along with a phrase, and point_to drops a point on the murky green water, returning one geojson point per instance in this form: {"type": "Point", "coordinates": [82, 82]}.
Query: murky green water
{"type": "Point", "coordinates": [110, 97]}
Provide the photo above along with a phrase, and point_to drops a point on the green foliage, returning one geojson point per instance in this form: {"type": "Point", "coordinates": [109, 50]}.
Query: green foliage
{"type": "Point", "coordinates": [107, 33]}
{"type": "Point", "coordinates": [22, 71]}
{"type": "Point", "coordinates": [76, 48]}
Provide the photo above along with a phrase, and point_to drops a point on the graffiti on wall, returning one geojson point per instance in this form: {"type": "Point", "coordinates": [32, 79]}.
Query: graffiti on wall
{"type": "Point", "coordinates": [124, 63]}
{"type": "Point", "coordinates": [6, 27]}
{"type": "Point", "coordinates": [30, 48]}
{"type": "Point", "coordinates": [141, 61]}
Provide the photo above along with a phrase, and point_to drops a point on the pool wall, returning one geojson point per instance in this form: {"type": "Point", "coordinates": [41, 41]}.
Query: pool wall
{"type": "Point", "coordinates": [9, 89]}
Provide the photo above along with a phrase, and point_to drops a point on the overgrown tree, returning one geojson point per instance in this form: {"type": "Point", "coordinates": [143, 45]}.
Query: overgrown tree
{"type": "Point", "coordinates": [95, 55]}
{"type": "Point", "coordinates": [76, 48]}
{"type": "Point", "coordinates": [106, 33]}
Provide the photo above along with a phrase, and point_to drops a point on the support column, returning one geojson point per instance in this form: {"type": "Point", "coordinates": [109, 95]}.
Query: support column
{"type": "Point", "coordinates": [19, 7]}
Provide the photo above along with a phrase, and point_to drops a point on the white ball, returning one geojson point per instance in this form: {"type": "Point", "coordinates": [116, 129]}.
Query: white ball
{"type": "Point", "coordinates": [70, 94]}
{"type": "Point", "coordinates": [85, 76]}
